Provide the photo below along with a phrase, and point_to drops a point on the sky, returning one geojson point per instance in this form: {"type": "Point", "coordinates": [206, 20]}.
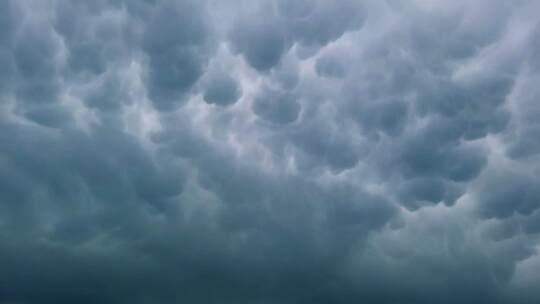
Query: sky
{"type": "Point", "coordinates": [269, 151]}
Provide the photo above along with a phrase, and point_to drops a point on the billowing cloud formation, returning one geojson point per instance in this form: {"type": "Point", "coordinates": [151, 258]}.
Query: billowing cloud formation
{"type": "Point", "coordinates": [269, 151]}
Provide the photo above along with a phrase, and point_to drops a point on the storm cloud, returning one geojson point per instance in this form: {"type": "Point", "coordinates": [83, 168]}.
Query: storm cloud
{"type": "Point", "coordinates": [271, 151]}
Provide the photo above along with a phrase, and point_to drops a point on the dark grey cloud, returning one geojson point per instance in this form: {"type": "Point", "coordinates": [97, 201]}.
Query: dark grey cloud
{"type": "Point", "coordinates": [266, 33]}
{"type": "Point", "coordinates": [38, 82]}
{"type": "Point", "coordinates": [222, 90]}
{"type": "Point", "coordinates": [269, 152]}
{"type": "Point", "coordinates": [276, 106]}
{"type": "Point", "coordinates": [176, 41]}
{"type": "Point", "coordinates": [262, 42]}
{"type": "Point", "coordinates": [505, 192]}
{"type": "Point", "coordinates": [319, 145]}
{"type": "Point", "coordinates": [95, 34]}
{"type": "Point", "coordinates": [9, 15]}
{"type": "Point", "coordinates": [320, 22]}
{"type": "Point", "coordinates": [330, 66]}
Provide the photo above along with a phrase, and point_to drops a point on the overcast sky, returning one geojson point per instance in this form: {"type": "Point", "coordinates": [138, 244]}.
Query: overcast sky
{"type": "Point", "coordinates": [269, 151]}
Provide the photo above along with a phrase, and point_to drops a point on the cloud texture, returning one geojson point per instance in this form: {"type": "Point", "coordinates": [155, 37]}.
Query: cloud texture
{"type": "Point", "coordinates": [273, 151]}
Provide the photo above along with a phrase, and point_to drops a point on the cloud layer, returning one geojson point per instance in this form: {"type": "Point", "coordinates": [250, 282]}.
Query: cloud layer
{"type": "Point", "coordinates": [269, 151]}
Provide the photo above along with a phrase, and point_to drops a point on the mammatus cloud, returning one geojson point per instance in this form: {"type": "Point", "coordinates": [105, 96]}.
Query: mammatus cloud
{"type": "Point", "coordinates": [269, 151]}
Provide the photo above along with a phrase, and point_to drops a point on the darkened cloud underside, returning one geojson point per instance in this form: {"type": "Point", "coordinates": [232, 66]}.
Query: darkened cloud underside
{"type": "Point", "coordinates": [269, 151]}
